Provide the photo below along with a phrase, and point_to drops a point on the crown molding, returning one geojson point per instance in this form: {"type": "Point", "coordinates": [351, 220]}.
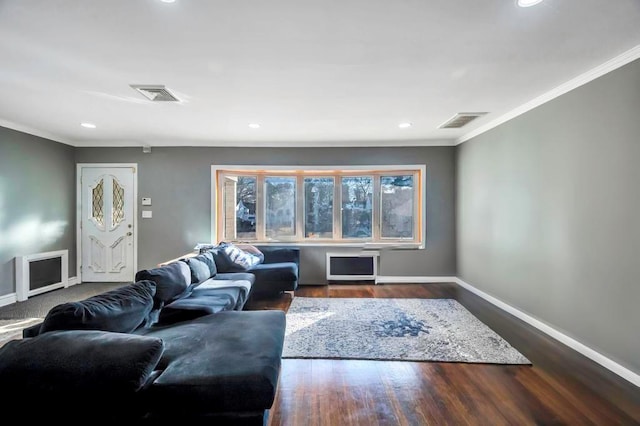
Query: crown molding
{"type": "Point", "coordinates": [31, 131]}
{"type": "Point", "coordinates": [611, 65]}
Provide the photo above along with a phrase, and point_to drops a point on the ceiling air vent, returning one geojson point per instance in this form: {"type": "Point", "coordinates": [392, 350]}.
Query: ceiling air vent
{"type": "Point", "coordinates": [460, 119]}
{"type": "Point", "coordinates": [155, 93]}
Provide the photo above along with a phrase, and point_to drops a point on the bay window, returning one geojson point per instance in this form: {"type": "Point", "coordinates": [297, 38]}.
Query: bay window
{"type": "Point", "coordinates": [321, 205]}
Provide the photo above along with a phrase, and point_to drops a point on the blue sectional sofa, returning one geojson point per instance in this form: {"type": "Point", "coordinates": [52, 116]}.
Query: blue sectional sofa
{"type": "Point", "coordinates": [173, 345]}
{"type": "Point", "coordinates": [278, 271]}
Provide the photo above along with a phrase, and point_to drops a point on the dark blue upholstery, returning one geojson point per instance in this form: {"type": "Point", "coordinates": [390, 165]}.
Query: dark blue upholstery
{"type": "Point", "coordinates": [120, 310]}
{"type": "Point", "coordinates": [279, 272]}
{"type": "Point", "coordinates": [237, 370]}
{"type": "Point", "coordinates": [172, 281]}
{"type": "Point", "coordinates": [89, 369]}
{"type": "Point", "coordinates": [198, 305]}
{"type": "Point", "coordinates": [219, 365]}
{"type": "Point", "coordinates": [200, 269]}
{"type": "Point", "coordinates": [275, 272]}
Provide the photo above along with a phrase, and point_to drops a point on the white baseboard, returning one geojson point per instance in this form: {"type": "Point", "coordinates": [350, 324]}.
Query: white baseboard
{"type": "Point", "coordinates": [8, 299]}
{"type": "Point", "coordinates": [607, 363]}
{"type": "Point", "coordinates": [414, 280]}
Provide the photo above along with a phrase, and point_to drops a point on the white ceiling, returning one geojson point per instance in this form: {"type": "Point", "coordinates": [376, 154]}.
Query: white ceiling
{"type": "Point", "coordinates": [326, 72]}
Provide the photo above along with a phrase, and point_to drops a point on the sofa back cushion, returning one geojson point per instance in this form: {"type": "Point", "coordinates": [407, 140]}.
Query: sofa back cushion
{"type": "Point", "coordinates": [120, 310]}
{"type": "Point", "coordinates": [202, 267]}
{"type": "Point", "coordinates": [172, 281]}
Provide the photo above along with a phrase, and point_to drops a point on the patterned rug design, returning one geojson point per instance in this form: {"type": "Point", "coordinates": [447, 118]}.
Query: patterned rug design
{"type": "Point", "coordinates": [392, 329]}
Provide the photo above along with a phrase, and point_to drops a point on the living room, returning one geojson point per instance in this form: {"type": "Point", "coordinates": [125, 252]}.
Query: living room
{"type": "Point", "coordinates": [530, 207]}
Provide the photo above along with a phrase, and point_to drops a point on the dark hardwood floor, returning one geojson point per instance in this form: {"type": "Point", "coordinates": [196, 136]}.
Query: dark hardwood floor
{"type": "Point", "coordinates": [562, 387]}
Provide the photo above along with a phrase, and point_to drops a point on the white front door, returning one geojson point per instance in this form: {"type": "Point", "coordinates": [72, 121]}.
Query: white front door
{"type": "Point", "coordinates": [107, 223]}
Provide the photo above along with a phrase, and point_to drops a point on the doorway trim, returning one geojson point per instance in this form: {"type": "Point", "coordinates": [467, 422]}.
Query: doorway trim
{"type": "Point", "coordinates": [79, 167]}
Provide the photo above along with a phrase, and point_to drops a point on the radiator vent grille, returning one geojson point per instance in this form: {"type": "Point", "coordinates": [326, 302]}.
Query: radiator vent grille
{"type": "Point", "coordinates": [461, 119]}
{"type": "Point", "coordinates": [155, 93]}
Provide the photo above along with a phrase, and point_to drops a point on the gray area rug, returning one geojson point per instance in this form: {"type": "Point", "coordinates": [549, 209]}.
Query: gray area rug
{"type": "Point", "coordinates": [392, 329]}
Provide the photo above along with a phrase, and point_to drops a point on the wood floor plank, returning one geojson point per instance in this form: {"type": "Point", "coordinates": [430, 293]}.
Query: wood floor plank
{"type": "Point", "coordinates": [562, 387]}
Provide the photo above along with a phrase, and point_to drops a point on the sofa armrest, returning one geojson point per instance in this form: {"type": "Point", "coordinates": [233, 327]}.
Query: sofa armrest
{"type": "Point", "coordinates": [32, 330]}
{"type": "Point", "coordinates": [277, 254]}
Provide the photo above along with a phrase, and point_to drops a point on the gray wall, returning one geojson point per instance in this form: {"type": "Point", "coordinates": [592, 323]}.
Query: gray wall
{"type": "Point", "coordinates": [37, 201]}
{"type": "Point", "coordinates": [548, 206]}
{"type": "Point", "coordinates": [178, 180]}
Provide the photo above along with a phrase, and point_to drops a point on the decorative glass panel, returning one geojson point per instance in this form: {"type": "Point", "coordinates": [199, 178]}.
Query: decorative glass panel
{"type": "Point", "coordinates": [117, 214]}
{"type": "Point", "coordinates": [97, 202]}
{"type": "Point", "coordinates": [318, 207]}
{"type": "Point", "coordinates": [357, 200]}
{"type": "Point", "coordinates": [397, 206]}
{"type": "Point", "coordinates": [280, 206]}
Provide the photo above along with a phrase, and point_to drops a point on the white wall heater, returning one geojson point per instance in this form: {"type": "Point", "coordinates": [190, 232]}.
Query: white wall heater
{"type": "Point", "coordinates": [41, 272]}
{"type": "Point", "coordinates": [352, 266]}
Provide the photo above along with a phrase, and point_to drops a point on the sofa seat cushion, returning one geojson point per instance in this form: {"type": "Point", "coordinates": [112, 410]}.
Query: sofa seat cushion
{"type": "Point", "coordinates": [212, 296]}
{"type": "Point", "coordinates": [219, 363]}
{"type": "Point", "coordinates": [86, 368]}
{"type": "Point", "coordinates": [215, 287]}
{"type": "Point", "coordinates": [234, 276]}
{"type": "Point", "coordinates": [274, 272]}
{"type": "Point", "coordinates": [198, 305]}
{"type": "Point", "coordinates": [121, 310]}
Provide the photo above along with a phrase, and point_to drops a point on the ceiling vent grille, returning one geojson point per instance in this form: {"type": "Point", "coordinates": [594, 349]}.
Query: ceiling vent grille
{"type": "Point", "coordinates": [461, 119]}
{"type": "Point", "coordinates": [155, 93]}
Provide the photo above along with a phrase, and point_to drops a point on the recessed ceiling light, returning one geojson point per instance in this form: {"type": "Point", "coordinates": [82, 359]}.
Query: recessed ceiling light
{"type": "Point", "coordinates": [88, 125]}
{"type": "Point", "coordinates": [527, 3]}
{"type": "Point", "coordinates": [404, 125]}
{"type": "Point", "coordinates": [254, 125]}
{"type": "Point", "coordinates": [168, 1]}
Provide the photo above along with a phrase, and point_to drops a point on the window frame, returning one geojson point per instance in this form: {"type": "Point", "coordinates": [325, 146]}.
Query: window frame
{"type": "Point", "coordinates": [336, 172]}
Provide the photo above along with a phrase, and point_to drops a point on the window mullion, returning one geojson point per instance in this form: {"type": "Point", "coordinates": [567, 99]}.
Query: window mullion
{"type": "Point", "coordinates": [376, 209]}
{"type": "Point", "coordinates": [337, 207]}
{"type": "Point", "coordinates": [260, 210]}
{"type": "Point", "coordinates": [300, 216]}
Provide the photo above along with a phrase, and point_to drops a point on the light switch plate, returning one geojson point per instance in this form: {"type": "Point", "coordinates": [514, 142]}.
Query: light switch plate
{"type": "Point", "coordinates": [147, 214]}
{"type": "Point", "coordinates": [146, 201]}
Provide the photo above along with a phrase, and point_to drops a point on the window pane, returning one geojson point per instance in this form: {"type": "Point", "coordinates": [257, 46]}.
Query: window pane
{"type": "Point", "coordinates": [280, 207]}
{"type": "Point", "coordinates": [318, 207]}
{"type": "Point", "coordinates": [397, 206]}
{"type": "Point", "coordinates": [357, 196]}
{"type": "Point", "coordinates": [246, 208]}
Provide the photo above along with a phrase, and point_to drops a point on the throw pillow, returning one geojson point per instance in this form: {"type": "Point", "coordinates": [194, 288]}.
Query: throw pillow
{"type": "Point", "coordinates": [121, 310]}
{"type": "Point", "coordinates": [253, 250]}
{"type": "Point", "coordinates": [241, 259]}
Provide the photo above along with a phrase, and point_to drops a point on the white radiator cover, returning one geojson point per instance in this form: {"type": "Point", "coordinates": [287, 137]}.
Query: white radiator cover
{"type": "Point", "coordinates": [23, 290]}
{"type": "Point", "coordinates": [365, 266]}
